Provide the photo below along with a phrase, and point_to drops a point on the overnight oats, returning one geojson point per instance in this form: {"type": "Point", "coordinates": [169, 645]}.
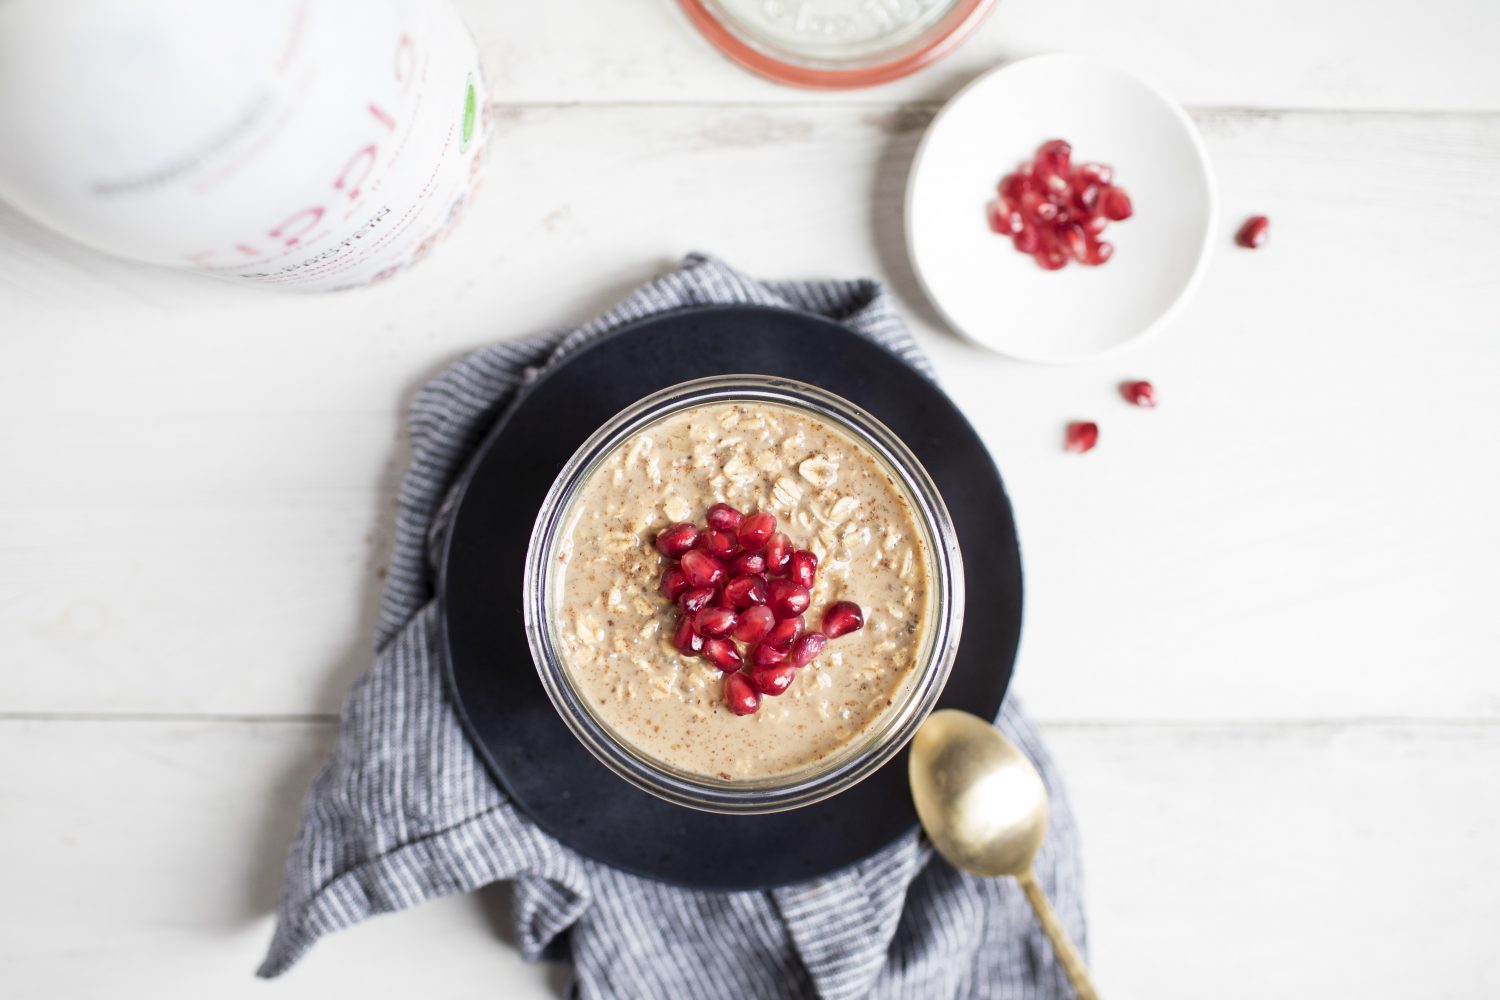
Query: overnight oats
{"type": "Point", "coordinates": [748, 590]}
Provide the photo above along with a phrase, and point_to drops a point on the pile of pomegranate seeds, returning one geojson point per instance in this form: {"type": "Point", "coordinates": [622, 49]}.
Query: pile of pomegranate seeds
{"type": "Point", "coordinates": [1254, 233]}
{"type": "Point", "coordinates": [741, 590]}
{"type": "Point", "coordinates": [1056, 211]}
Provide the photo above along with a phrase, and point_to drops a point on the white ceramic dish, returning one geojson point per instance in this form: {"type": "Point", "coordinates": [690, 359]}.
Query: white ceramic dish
{"type": "Point", "coordinates": [1001, 298]}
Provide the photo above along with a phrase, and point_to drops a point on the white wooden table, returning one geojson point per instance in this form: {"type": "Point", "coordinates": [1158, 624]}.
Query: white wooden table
{"type": "Point", "coordinates": [1261, 627]}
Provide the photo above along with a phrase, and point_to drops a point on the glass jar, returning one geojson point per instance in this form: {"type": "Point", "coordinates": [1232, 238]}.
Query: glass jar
{"type": "Point", "coordinates": [869, 749]}
{"type": "Point", "coordinates": [836, 44]}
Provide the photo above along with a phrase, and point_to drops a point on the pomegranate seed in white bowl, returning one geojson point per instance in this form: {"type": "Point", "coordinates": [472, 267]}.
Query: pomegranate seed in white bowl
{"type": "Point", "coordinates": [1113, 121]}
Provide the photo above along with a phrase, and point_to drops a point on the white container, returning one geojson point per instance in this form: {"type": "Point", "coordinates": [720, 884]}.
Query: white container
{"type": "Point", "coordinates": [302, 144]}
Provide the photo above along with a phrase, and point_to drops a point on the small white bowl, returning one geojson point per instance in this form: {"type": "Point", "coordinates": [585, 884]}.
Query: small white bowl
{"type": "Point", "coordinates": [1001, 298]}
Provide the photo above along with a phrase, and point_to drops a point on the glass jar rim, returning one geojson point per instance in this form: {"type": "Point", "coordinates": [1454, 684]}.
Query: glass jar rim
{"type": "Point", "coordinates": [872, 748]}
{"type": "Point", "coordinates": [783, 65]}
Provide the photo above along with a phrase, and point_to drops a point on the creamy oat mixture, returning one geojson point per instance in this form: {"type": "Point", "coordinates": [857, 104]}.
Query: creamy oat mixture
{"type": "Point", "coordinates": [830, 495]}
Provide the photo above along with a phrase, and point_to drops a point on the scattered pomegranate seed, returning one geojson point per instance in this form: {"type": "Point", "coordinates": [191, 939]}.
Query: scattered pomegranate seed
{"type": "Point", "coordinates": [1254, 233]}
{"type": "Point", "coordinates": [807, 648]}
{"type": "Point", "coordinates": [1140, 393]}
{"type": "Point", "coordinates": [756, 530]}
{"type": "Point", "coordinates": [676, 540]}
{"type": "Point", "coordinates": [673, 583]}
{"type": "Point", "coordinates": [804, 568]}
{"type": "Point", "coordinates": [842, 618]}
{"type": "Point", "coordinates": [1115, 204]}
{"type": "Point", "coordinates": [1055, 211]}
{"type": "Point", "coordinates": [741, 698]}
{"type": "Point", "coordinates": [702, 569]}
{"type": "Point", "coordinates": [693, 601]}
{"type": "Point", "coordinates": [715, 622]}
{"type": "Point", "coordinates": [722, 654]}
{"type": "Point", "coordinates": [1082, 436]}
{"type": "Point", "coordinates": [785, 632]}
{"type": "Point", "coordinates": [778, 552]}
{"type": "Point", "coordinates": [723, 517]}
{"type": "Point", "coordinates": [721, 545]}
{"type": "Point", "coordinates": [788, 598]}
{"type": "Point", "coordinates": [773, 680]}
{"type": "Point", "coordinates": [754, 624]}
{"type": "Point", "coordinates": [766, 655]}
{"type": "Point", "coordinates": [744, 591]}
{"type": "Point", "coordinates": [688, 642]}
{"type": "Point", "coordinates": [748, 564]}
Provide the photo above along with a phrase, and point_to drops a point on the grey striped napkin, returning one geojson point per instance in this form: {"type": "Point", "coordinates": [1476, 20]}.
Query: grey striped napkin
{"type": "Point", "coordinates": [404, 811]}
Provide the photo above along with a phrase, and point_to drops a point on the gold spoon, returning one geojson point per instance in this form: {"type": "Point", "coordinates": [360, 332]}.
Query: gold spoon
{"type": "Point", "coordinates": [984, 807]}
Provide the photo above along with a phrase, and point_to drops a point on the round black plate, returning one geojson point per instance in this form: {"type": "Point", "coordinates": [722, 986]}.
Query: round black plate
{"type": "Point", "coordinates": [532, 753]}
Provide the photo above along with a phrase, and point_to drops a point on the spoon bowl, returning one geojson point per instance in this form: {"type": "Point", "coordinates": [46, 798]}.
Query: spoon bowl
{"type": "Point", "coordinates": [984, 808]}
{"type": "Point", "coordinates": [980, 800]}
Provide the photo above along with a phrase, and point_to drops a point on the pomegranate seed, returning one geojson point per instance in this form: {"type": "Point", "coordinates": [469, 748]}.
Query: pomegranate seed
{"type": "Point", "coordinates": [719, 544]}
{"type": "Point", "coordinates": [702, 569]}
{"type": "Point", "coordinates": [1012, 186]}
{"type": "Point", "coordinates": [755, 624]}
{"type": "Point", "coordinates": [741, 698]}
{"type": "Point", "coordinates": [723, 517]}
{"type": "Point", "coordinates": [766, 656]}
{"type": "Point", "coordinates": [1096, 252]}
{"type": "Point", "coordinates": [773, 680]}
{"type": "Point", "coordinates": [1052, 260]}
{"type": "Point", "coordinates": [1115, 205]}
{"type": "Point", "coordinates": [756, 529]}
{"type": "Point", "coordinates": [1094, 224]}
{"type": "Point", "coordinates": [693, 601]}
{"type": "Point", "coordinates": [1086, 199]}
{"type": "Point", "coordinates": [715, 623]}
{"type": "Point", "coordinates": [784, 633]}
{"type": "Point", "coordinates": [721, 600]}
{"type": "Point", "coordinates": [808, 647]}
{"type": "Point", "coordinates": [803, 568]}
{"type": "Point", "coordinates": [1028, 240]}
{"type": "Point", "coordinates": [998, 216]}
{"type": "Point", "coordinates": [1140, 393]}
{"type": "Point", "coordinates": [841, 618]}
{"type": "Point", "coordinates": [788, 598]}
{"type": "Point", "coordinates": [673, 542]}
{"type": "Point", "coordinates": [673, 583]}
{"type": "Point", "coordinates": [778, 552]}
{"type": "Point", "coordinates": [1076, 242]}
{"type": "Point", "coordinates": [1254, 233]}
{"type": "Point", "coordinates": [688, 642]}
{"type": "Point", "coordinates": [722, 654]}
{"type": "Point", "coordinates": [1036, 208]}
{"type": "Point", "coordinates": [1082, 436]}
{"type": "Point", "coordinates": [748, 564]}
{"type": "Point", "coordinates": [1055, 155]}
{"type": "Point", "coordinates": [1097, 173]}
{"type": "Point", "coordinates": [744, 591]}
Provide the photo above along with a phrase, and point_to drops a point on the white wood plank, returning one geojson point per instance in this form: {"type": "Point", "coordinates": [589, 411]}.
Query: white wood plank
{"type": "Point", "coordinates": [197, 477]}
{"type": "Point", "coordinates": [143, 860]}
{"type": "Point", "coordinates": [1277, 53]}
{"type": "Point", "coordinates": [1297, 862]}
{"type": "Point", "coordinates": [1246, 862]}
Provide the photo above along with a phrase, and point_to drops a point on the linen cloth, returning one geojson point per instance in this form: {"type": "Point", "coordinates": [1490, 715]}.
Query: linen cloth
{"type": "Point", "coordinates": [404, 810]}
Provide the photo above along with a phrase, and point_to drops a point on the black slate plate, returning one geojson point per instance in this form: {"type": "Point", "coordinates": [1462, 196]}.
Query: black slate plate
{"type": "Point", "coordinates": [526, 745]}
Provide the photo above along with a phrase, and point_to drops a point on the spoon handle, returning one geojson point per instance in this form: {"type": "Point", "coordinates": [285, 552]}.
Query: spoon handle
{"type": "Point", "coordinates": [1067, 955]}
